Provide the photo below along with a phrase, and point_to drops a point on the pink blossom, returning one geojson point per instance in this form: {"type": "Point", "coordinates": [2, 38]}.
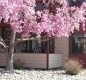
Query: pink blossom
{"type": "Point", "coordinates": [21, 15]}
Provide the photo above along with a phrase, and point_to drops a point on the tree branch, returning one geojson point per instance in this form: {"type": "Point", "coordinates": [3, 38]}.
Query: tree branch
{"type": "Point", "coordinates": [3, 43]}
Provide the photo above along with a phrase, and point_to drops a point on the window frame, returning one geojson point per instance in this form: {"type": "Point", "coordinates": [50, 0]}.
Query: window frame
{"type": "Point", "coordinates": [83, 44]}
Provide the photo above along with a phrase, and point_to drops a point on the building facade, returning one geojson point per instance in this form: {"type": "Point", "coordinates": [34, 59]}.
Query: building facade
{"type": "Point", "coordinates": [47, 54]}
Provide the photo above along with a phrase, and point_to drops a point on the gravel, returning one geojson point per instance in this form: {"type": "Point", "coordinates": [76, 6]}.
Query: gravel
{"type": "Point", "coordinates": [40, 75]}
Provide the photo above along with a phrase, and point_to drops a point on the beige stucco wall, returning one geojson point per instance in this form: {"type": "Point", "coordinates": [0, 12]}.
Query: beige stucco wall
{"type": "Point", "coordinates": [62, 47]}
{"type": "Point", "coordinates": [32, 60]}
{"type": "Point", "coordinates": [2, 59]}
{"type": "Point", "coordinates": [55, 60]}
{"type": "Point", "coordinates": [0, 32]}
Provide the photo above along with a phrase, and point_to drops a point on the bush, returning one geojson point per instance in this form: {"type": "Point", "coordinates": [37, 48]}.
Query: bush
{"type": "Point", "coordinates": [18, 64]}
{"type": "Point", "coordinates": [73, 66]}
{"type": "Point", "coordinates": [1, 50]}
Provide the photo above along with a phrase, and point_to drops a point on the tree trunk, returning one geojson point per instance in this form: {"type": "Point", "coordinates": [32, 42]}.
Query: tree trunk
{"type": "Point", "coordinates": [9, 55]}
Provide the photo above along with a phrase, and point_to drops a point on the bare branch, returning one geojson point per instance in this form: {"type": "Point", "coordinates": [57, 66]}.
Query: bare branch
{"type": "Point", "coordinates": [2, 43]}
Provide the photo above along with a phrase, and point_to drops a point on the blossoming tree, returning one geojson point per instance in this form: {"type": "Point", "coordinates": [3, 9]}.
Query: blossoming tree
{"type": "Point", "coordinates": [55, 21]}
{"type": "Point", "coordinates": [18, 14]}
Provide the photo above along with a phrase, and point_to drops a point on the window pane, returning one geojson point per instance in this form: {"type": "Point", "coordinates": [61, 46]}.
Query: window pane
{"type": "Point", "coordinates": [35, 46]}
{"type": "Point", "coordinates": [6, 35]}
{"type": "Point", "coordinates": [39, 6]}
{"type": "Point", "coordinates": [76, 2]}
{"type": "Point", "coordinates": [79, 44]}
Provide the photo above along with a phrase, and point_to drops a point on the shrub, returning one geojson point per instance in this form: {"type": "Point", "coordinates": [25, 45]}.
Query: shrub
{"type": "Point", "coordinates": [73, 66]}
{"type": "Point", "coordinates": [18, 64]}
{"type": "Point", "coordinates": [1, 50]}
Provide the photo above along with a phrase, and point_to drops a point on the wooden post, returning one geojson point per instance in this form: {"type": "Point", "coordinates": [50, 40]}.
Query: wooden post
{"type": "Point", "coordinates": [47, 52]}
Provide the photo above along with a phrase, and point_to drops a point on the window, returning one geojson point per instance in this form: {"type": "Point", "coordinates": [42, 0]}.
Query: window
{"type": "Point", "coordinates": [35, 46]}
{"type": "Point", "coordinates": [39, 6]}
{"type": "Point", "coordinates": [6, 35]}
{"type": "Point", "coordinates": [76, 2]}
{"type": "Point", "coordinates": [79, 43]}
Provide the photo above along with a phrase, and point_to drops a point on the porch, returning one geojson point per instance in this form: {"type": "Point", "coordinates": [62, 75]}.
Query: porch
{"type": "Point", "coordinates": [40, 54]}
{"type": "Point", "coordinates": [43, 60]}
